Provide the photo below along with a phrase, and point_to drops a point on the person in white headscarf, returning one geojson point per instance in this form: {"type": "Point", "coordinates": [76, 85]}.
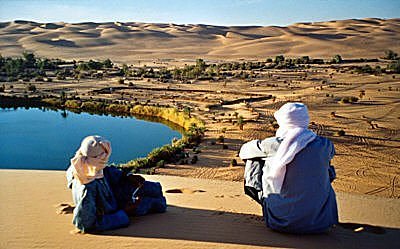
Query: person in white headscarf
{"type": "Point", "coordinates": [103, 196]}
{"type": "Point", "coordinates": [290, 175]}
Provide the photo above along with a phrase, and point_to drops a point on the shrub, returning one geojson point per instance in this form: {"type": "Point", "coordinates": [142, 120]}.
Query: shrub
{"type": "Point", "coordinates": [390, 55]}
{"type": "Point", "coordinates": [234, 162]}
{"type": "Point", "coordinates": [194, 159]}
{"type": "Point", "coordinates": [394, 66]}
{"type": "Point", "coordinates": [337, 59]}
{"type": "Point", "coordinates": [341, 133]}
{"type": "Point", "coordinates": [279, 59]}
{"type": "Point", "coordinates": [31, 88]}
{"type": "Point", "coordinates": [346, 100]}
{"type": "Point", "coordinates": [117, 109]}
{"type": "Point", "coordinates": [93, 106]}
{"type": "Point", "coordinates": [160, 164]}
{"type": "Point", "coordinates": [73, 104]}
{"type": "Point", "coordinates": [53, 102]}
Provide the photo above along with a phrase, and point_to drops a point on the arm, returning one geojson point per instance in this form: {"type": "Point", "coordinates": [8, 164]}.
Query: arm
{"type": "Point", "coordinates": [332, 173]}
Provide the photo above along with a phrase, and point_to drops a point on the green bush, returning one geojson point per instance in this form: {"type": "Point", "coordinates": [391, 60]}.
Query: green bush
{"type": "Point", "coordinates": [341, 133]}
{"type": "Point", "coordinates": [337, 59]}
{"type": "Point", "coordinates": [347, 100]}
{"type": "Point", "coordinates": [117, 109]}
{"type": "Point", "coordinates": [394, 66]}
{"type": "Point", "coordinates": [92, 106]}
{"type": "Point", "coordinates": [31, 88]}
{"type": "Point", "coordinates": [390, 55]}
{"type": "Point", "coordinates": [73, 104]}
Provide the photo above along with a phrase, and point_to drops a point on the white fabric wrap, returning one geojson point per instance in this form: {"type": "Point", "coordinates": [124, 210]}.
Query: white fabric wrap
{"type": "Point", "coordinates": [90, 159]}
{"type": "Point", "coordinates": [293, 123]}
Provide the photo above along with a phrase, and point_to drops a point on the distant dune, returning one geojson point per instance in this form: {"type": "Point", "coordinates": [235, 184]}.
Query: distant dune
{"type": "Point", "coordinates": [131, 41]}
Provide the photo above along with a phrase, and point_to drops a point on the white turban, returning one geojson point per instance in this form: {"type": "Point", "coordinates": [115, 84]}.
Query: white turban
{"type": "Point", "coordinates": [90, 159]}
{"type": "Point", "coordinates": [293, 123]}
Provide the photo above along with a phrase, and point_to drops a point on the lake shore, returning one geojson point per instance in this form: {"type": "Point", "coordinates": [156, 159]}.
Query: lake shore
{"type": "Point", "coordinates": [206, 214]}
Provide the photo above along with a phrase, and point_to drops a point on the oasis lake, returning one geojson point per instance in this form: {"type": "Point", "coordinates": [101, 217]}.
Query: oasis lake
{"type": "Point", "coordinates": [38, 138]}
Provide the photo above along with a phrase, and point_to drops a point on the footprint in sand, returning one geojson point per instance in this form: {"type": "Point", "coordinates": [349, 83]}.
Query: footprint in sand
{"type": "Point", "coordinates": [184, 191]}
{"type": "Point", "coordinates": [64, 208]}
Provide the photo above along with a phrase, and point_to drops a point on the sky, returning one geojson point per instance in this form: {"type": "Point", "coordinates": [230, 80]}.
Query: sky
{"type": "Point", "coordinates": [215, 12]}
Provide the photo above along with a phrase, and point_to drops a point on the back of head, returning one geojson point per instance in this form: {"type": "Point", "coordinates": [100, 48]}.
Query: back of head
{"type": "Point", "coordinates": [292, 115]}
{"type": "Point", "coordinates": [95, 146]}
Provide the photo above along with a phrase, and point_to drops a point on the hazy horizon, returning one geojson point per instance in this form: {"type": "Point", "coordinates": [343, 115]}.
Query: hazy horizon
{"type": "Point", "coordinates": [208, 12]}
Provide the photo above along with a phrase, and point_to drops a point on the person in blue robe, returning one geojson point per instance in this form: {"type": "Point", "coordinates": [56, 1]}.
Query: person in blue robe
{"type": "Point", "coordinates": [103, 196]}
{"type": "Point", "coordinates": [290, 175]}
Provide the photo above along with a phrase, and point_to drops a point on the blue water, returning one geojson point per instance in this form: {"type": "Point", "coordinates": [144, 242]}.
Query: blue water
{"type": "Point", "coordinates": [47, 139]}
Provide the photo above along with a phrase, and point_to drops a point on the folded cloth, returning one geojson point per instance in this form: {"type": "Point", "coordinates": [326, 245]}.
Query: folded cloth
{"type": "Point", "coordinates": [90, 159]}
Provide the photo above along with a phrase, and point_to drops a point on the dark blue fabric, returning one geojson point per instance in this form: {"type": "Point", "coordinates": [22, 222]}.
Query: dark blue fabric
{"type": "Point", "coordinates": [307, 202]}
{"type": "Point", "coordinates": [99, 204]}
{"type": "Point", "coordinates": [150, 194]}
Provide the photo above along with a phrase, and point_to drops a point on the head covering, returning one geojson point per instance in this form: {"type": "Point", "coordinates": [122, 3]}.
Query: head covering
{"type": "Point", "coordinates": [90, 159]}
{"type": "Point", "coordinates": [293, 123]}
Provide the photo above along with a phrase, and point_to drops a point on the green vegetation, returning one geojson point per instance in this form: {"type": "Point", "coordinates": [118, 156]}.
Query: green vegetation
{"type": "Point", "coordinates": [347, 100]}
{"type": "Point", "coordinates": [240, 122]}
{"type": "Point", "coordinates": [337, 59]}
{"type": "Point", "coordinates": [394, 66]}
{"type": "Point", "coordinates": [29, 67]}
{"type": "Point", "coordinates": [390, 55]}
{"type": "Point", "coordinates": [31, 88]}
{"type": "Point", "coordinates": [174, 152]}
{"type": "Point", "coordinates": [340, 133]}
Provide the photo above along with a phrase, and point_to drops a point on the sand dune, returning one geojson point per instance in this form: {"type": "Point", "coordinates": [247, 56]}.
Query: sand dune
{"type": "Point", "coordinates": [351, 38]}
{"type": "Point", "coordinates": [35, 212]}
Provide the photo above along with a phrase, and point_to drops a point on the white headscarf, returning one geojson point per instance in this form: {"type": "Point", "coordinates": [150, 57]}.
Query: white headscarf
{"type": "Point", "coordinates": [293, 122]}
{"type": "Point", "coordinates": [91, 158]}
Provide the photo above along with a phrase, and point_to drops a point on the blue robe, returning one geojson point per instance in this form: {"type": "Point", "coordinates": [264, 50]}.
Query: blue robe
{"type": "Point", "coordinates": [99, 204]}
{"type": "Point", "coordinates": [307, 202]}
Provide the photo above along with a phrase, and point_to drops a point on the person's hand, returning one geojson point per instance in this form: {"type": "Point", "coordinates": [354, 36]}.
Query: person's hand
{"type": "Point", "coordinates": [136, 180]}
{"type": "Point", "coordinates": [130, 208]}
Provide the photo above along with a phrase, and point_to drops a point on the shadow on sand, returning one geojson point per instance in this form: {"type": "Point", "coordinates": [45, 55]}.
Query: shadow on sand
{"type": "Point", "coordinates": [180, 223]}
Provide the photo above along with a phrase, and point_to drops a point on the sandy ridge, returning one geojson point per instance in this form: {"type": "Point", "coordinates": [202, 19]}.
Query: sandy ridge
{"type": "Point", "coordinates": [127, 42]}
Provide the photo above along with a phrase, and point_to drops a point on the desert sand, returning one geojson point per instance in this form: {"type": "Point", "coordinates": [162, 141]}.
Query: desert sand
{"type": "Point", "coordinates": [133, 42]}
{"type": "Point", "coordinates": [211, 211]}
{"type": "Point", "coordinates": [202, 213]}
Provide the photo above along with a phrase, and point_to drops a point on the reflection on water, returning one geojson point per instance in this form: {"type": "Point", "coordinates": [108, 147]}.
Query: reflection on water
{"type": "Point", "coordinates": [43, 138]}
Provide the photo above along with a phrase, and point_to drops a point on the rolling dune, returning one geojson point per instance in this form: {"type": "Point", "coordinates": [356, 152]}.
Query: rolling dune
{"type": "Point", "coordinates": [127, 42]}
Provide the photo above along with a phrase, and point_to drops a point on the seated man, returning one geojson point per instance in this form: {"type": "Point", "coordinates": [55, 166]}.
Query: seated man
{"type": "Point", "coordinates": [103, 195]}
{"type": "Point", "coordinates": [290, 175]}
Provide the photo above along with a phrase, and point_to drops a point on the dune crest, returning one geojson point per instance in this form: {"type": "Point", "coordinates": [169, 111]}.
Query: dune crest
{"type": "Point", "coordinates": [127, 42]}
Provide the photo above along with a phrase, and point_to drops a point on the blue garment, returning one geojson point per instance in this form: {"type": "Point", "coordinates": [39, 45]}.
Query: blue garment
{"type": "Point", "coordinates": [307, 202]}
{"type": "Point", "coordinates": [150, 194]}
{"type": "Point", "coordinates": [95, 206]}
{"type": "Point", "coordinates": [99, 204]}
